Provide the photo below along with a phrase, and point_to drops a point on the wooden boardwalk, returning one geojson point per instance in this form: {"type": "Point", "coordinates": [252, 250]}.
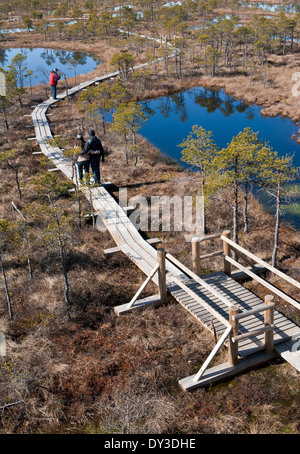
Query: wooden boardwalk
{"type": "Point", "coordinates": [245, 300]}
{"type": "Point", "coordinates": [207, 299]}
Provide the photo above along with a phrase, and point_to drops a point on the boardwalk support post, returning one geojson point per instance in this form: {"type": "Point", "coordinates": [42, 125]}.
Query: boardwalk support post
{"type": "Point", "coordinates": [269, 321]}
{"type": "Point", "coordinates": [161, 258]}
{"type": "Point", "coordinates": [212, 354]}
{"type": "Point", "coordinates": [196, 255]}
{"type": "Point", "coordinates": [134, 299]}
{"type": "Point", "coordinates": [227, 251]}
{"type": "Point", "coordinates": [162, 297]}
{"type": "Point", "coordinates": [233, 345]}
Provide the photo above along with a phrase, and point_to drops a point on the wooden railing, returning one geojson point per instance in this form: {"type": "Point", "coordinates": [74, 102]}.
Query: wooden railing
{"type": "Point", "coordinates": [252, 260]}
{"type": "Point", "coordinates": [243, 253]}
{"type": "Point", "coordinates": [268, 329]}
{"type": "Point", "coordinates": [235, 315]}
{"type": "Point", "coordinates": [232, 326]}
{"type": "Point", "coordinates": [196, 278]}
{"type": "Point", "coordinates": [196, 249]}
{"type": "Point", "coordinates": [232, 333]}
{"type": "Point", "coordinates": [160, 268]}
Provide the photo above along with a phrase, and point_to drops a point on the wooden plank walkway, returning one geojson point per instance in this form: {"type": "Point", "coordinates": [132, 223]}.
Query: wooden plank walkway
{"type": "Point", "coordinates": [242, 298]}
{"type": "Point", "coordinates": [125, 234]}
{"type": "Point", "coordinates": [205, 306]}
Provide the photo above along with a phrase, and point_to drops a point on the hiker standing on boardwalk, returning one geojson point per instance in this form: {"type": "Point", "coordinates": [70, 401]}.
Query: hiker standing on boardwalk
{"type": "Point", "coordinates": [93, 146]}
{"type": "Point", "coordinates": [54, 78]}
{"type": "Point", "coordinates": [83, 160]}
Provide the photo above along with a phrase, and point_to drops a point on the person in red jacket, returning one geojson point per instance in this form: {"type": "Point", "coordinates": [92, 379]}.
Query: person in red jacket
{"type": "Point", "coordinates": [54, 78]}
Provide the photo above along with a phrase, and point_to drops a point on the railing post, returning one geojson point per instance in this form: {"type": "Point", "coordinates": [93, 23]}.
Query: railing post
{"type": "Point", "coordinates": [196, 255]}
{"type": "Point", "coordinates": [161, 258]}
{"type": "Point", "coordinates": [227, 251]}
{"type": "Point", "coordinates": [233, 346]}
{"type": "Point", "coordinates": [269, 321]}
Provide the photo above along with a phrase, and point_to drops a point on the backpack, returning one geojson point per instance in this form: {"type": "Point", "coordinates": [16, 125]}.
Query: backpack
{"type": "Point", "coordinates": [95, 144]}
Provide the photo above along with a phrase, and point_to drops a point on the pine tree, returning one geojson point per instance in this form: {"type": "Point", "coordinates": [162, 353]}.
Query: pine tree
{"type": "Point", "coordinates": [123, 62]}
{"type": "Point", "coordinates": [128, 120]}
{"type": "Point", "coordinates": [8, 159]}
{"type": "Point", "coordinates": [6, 233]}
{"type": "Point", "coordinates": [9, 93]}
{"type": "Point", "coordinates": [238, 162]}
{"type": "Point", "coordinates": [22, 232]}
{"type": "Point", "coordinates": [199, 150]}
{"type": "Point", "coordinates": [20, 70]}
{"type": "Point", "coordinates": [277, 172]}
{"type": "Point", "coordinates": [57, 233]}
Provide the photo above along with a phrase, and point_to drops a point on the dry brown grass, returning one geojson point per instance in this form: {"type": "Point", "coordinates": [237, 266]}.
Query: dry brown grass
{"type": "Point", "coordinates": [83, 375]}
{"type": "Point", "coordinates": [275, 96]}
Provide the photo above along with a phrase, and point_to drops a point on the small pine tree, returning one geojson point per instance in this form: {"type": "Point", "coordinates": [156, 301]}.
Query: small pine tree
{"type": "Point", "coordinates": [277, 172]}
{"type": "Point", "coordinates": [57, 234]}
{"type": "Point", "coordinates": [7, 237]}
{"type": "Point", "coordinates": [128, 120]}
{"type": "Point", "coordinates": [8, 159]}
{"type": "Point", "coordinates": [199, 150]}
{"type": "Point", "coordinates": [238, 162]}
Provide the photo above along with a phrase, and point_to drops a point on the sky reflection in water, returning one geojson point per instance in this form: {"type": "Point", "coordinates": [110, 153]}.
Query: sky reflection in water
{"type": "Point", "coordinates": [171, 119]}
{"type": "Point", "coordinates": [39, 59]}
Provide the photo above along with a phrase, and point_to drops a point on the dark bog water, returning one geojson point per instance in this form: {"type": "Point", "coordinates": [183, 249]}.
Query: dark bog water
{"type": "Point", "coordinates": [172, 118]}
{"type": "Point", "coordinates": [41, 61]}
{"type": "Point", "coordinates": [277, 7]}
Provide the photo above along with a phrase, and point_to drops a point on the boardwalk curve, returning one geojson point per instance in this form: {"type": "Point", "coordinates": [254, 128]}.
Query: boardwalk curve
{"type": "Point", "coordinates": [208, 299]}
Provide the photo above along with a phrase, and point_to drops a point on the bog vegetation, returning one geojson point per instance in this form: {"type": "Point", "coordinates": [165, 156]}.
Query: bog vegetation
{"type": "Point", "coordinates": [71, 364]}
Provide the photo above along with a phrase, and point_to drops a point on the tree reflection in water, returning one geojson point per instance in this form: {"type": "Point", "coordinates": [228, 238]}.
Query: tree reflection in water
{"type": "Point", "coordinates": [42, 61]}
{"type": "Point", "coordinates": [224, 115]}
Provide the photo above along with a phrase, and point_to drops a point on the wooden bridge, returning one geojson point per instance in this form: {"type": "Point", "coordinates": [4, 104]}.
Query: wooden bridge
{"type": "Point", "coordinates": [252, 329]}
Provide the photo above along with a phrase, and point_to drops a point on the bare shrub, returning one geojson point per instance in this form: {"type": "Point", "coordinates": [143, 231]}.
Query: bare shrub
{"type": "Point", "coordinates": [129, 411]}
{"type": "Point", "coordinates": [27, 379]}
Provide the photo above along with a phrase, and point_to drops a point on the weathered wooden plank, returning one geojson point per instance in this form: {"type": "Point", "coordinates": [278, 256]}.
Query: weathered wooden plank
{"type": "Point", "coordinates": [132, 236]}
{"type": "Point", "coordinates": [238, 299]}
{"type": "Point", "coordinates": [137, 259]}
{"type": "Point", "coordinates": [205, 316]}
{"type": "Point", "coordinates": [290, 350]}
{"type": "Point", "coordinates": [115, 249]}
{"type": "Point", "coordinates": [111, 250]}
{"type": "Point", "coordinates": [225, 371]}
{"type": "Point", "coordinates": [153, 300]}
{"type": "Point", "coordinates": [207, 306]}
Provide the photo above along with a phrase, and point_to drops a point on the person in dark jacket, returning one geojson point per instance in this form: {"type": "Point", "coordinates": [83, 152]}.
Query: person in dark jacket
{"type": "Point", "coordinates": [93, 146]}
{"type": "Point", "coordinates": [54, 78]}
{"type": "Point", "coordinates": [83, 160]}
